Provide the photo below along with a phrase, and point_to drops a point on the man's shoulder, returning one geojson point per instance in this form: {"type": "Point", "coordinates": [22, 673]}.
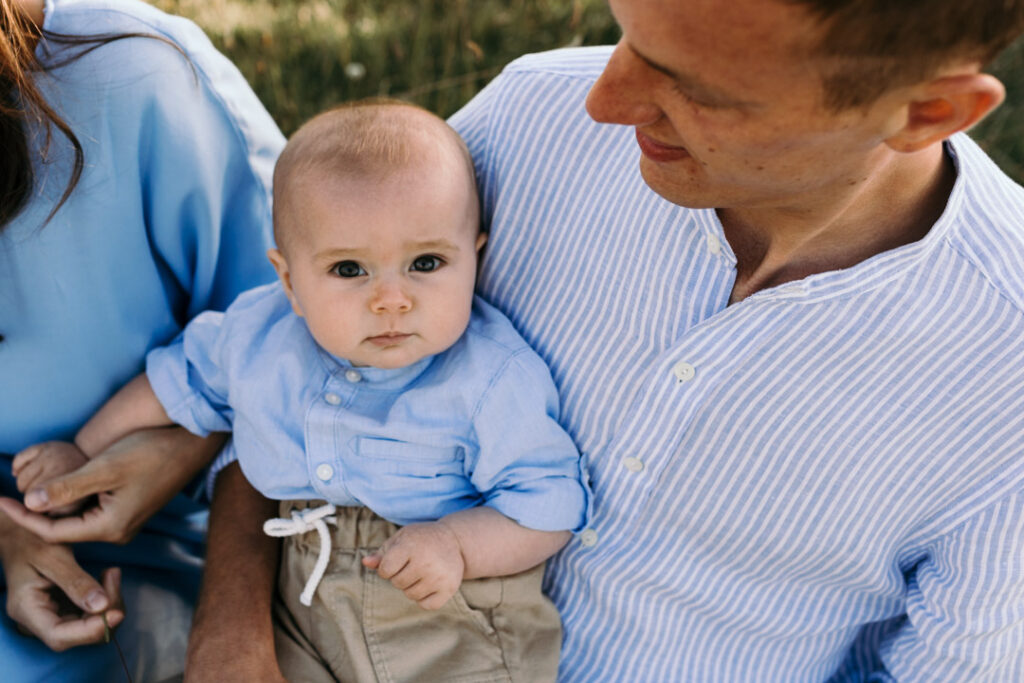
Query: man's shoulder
{"type": "Point", "coordinates": [990, 225]}
{"type": "Point", "coordinates": [585, 63]}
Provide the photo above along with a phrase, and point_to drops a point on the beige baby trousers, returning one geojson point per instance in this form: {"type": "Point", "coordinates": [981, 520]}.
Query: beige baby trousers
{"type": "Point", "coordinates": [360, 628]}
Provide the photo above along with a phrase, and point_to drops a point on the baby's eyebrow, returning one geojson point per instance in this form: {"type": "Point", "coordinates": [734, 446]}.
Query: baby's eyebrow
{"type": "Point", "coordinates": [434, 245]}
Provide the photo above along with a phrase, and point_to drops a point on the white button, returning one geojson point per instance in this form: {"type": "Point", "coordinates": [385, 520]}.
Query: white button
{"type": "Point", "coordinates": [353, 375]}
{"type": "Point", "coordinates": [683, 371]}
{"type": "Point", "coordinates": [333, 399]}
{"type": "Point", "coordinates": [714, 245]}
{"type": "Point", "coordinates": [793, 290]}
{"type": "Point", "coordinates": [633, 464]}
{"type": "Point", "coordinates": [324, 471]}
{"type": "Point", "coordinates": [588, 537]}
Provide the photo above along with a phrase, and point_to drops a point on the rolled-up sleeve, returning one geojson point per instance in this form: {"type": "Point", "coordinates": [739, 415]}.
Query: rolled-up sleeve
{"type": "Point", "coordinates": [190, 379]}
{"type": "Point", "coordinates": [527, 466]}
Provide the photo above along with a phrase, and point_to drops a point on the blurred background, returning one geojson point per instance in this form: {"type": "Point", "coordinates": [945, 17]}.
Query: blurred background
{"type": "Point", "coordinates": [302, 56]}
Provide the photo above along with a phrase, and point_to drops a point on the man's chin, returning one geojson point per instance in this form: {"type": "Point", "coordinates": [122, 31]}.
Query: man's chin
{"type": "Point", "coordinates": [677, 186]}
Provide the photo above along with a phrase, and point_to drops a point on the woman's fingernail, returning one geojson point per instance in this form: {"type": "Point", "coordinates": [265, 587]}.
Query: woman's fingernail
{"type": "Point", "coordinates": [36, 498]}
{"type": "Point", "coordinates": [96, 601]}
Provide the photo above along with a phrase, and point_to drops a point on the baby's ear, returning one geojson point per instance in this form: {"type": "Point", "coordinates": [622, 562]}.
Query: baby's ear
{"type": "Point", "coordinates": [277, 259]}
{"type": "Point", "coordinates": [481, 240]}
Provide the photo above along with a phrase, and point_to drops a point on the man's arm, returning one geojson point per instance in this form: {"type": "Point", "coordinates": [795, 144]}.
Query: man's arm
{"type": "Point", "coordinates": [234, 611]}
{"type": "Point", "coordinates": [965, 604]}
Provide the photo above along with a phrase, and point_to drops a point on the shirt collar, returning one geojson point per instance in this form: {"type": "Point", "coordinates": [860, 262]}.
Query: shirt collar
{"type": "Point", "coordinates": [388, 379]}
{"type": "Point", "coordinates": [878, 269]}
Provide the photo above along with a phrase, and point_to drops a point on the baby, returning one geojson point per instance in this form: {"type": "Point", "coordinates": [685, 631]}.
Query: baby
{"type": "Point", "coordinates": [370, 390]}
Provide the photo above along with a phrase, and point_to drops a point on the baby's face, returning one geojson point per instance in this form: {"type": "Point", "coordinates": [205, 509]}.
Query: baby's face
{"type": "Point", "coordinates": [383, 273]}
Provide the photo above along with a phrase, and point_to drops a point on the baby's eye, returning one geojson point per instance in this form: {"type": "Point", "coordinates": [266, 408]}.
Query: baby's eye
{"type": "Point", "coordinates": [347, 269]}
{"type": "Point", "coordinates": [426, 263]}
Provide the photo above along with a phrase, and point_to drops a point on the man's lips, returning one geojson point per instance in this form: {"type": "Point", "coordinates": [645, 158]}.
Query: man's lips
{"type": "Point", "coordinates": [656, 151]}
{"type": "Point", "coordinates": [389, 339]}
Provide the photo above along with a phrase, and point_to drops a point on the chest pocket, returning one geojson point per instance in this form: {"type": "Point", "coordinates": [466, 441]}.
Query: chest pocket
{"type": "Point", "coordinates": [411, 459]}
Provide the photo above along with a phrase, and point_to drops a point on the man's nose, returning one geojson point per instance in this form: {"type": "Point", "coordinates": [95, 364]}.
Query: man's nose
{"type": "Point", "coordinates": [389, 296]}
{"type": "Point", "coordinates": [622, 94]}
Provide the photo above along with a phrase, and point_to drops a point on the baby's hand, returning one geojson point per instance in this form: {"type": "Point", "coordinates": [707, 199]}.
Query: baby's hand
{"type": "Point", "coordinates": [424, 561]}
{"type": "Point", "coordinates": [44, 461]}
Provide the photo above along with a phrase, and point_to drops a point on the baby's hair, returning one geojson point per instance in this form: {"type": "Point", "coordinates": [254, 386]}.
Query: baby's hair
{"type": "Point", "coordinates": [367, 140]}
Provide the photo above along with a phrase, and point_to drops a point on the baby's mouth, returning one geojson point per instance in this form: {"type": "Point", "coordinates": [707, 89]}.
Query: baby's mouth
{"type": "Point", "coordinates": [388, 339]}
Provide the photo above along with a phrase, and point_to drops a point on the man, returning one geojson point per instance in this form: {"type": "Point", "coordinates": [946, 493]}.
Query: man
{"type": "Point", "coordinates": [795, 366]}
{"type": "Point", "coordinates": [802, 395]}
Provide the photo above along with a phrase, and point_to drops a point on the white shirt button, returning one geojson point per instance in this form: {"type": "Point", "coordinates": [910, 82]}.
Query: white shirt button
{"type": "Point", "coordinates": [588, 537]}
{"type": "Point", "coordinates": [324, 471]}
{"type": "Point", "coordinates": [633, 464]}
{"type": "Point", "coordinates": [333, 399]}
{"type": "Point", "coordinates": [793, 290]}
{"type": "Point", "coordinates": [683, 371]}
{"type": "Point", "coordinates": [714, 245]}
{"type": "Point", "coordinates": [353, 375]}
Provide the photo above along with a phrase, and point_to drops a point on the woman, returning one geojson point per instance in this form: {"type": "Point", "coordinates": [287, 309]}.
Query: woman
{"type": "Point", "coordinates": [135, 195]}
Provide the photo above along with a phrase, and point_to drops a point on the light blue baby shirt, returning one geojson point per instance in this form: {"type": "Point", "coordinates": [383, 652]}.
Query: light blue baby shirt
{"type": "Point", "coordinates": [476, 424]}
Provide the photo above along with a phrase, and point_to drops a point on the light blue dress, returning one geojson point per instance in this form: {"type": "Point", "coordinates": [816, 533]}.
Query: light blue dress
{"type": "Point", "coordinates": [171, 217]}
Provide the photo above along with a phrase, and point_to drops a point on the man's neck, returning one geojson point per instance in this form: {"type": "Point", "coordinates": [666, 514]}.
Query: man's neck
{"type": "Point", "coordinates": [901, 199]}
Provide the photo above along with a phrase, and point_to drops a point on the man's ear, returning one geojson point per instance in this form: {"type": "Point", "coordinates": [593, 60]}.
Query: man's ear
{"type": "Point", "coordinates": [281, 266]}
{"type": "Point", "coordinates": [945, 106]}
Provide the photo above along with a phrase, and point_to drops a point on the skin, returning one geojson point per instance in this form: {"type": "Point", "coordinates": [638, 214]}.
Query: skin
{"type": "Point", "coordinates": [48, 594]}
{"type": "Point", "coordinates": [768, 166]}
{"type": "Point", "coordinates": [727, 103]}
{"type": "Point", "coordinates": [381, 282]}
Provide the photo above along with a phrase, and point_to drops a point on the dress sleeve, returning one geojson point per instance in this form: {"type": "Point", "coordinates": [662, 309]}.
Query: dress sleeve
{"type": "Point", "coordinates": [206, 158]}
{"type": "Point", "coordinates": [527, 467]}
{"type": "Point", "coordinates": [965, 605]}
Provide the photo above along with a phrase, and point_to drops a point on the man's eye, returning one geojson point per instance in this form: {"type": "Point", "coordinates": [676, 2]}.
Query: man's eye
{"type": "Point", "coordinates": [347, 269]}
{"type": "Point", "coordinates": [426, 263]}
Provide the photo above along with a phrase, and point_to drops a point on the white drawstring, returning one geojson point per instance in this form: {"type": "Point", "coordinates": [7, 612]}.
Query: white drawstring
{"type": "Point", "coordinates": [300, 523]}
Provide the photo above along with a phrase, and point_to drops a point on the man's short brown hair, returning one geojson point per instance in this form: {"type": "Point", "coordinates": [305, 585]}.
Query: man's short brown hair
{"type": "Point", "coordinates": [871, 46]}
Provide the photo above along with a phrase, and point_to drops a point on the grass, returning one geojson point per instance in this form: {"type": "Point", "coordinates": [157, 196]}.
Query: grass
{"type": "Point", "coordinates": [302, 56]}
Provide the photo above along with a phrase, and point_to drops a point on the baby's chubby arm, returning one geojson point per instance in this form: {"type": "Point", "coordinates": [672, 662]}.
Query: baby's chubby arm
{"type": "Point", "coordinates": [132, 408]}
{"type": "Point", "coordinates": [429, 561]}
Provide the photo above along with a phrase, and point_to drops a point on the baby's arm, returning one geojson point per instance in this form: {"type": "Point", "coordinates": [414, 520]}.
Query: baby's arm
{"type": "Point", "coordinates": [429, 561]}
{"type": "Point", "coordinates": [134, 407]}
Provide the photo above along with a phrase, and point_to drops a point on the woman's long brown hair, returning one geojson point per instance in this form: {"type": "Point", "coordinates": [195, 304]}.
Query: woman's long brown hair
{"type": "Point", "coordinates": [21, 104]}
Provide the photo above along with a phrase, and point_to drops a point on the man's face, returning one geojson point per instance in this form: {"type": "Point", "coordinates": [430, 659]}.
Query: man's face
{"type": "Point", "coordinates": [728, 106]}
{"type": "Point", "coordinates": [383, 272]}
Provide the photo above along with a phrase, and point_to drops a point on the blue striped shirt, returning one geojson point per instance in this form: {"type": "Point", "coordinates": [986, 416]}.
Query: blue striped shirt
{"type": "Point", "coordinates": [820, 482]}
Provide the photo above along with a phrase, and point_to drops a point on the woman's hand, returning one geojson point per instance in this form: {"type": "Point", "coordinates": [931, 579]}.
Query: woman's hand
{"type": "Point", "coordinates": [45, 461]}
{"type": "Point", "coordinates": [50, 596]}
{"type": "Point", "coordinates": [131, 480]}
